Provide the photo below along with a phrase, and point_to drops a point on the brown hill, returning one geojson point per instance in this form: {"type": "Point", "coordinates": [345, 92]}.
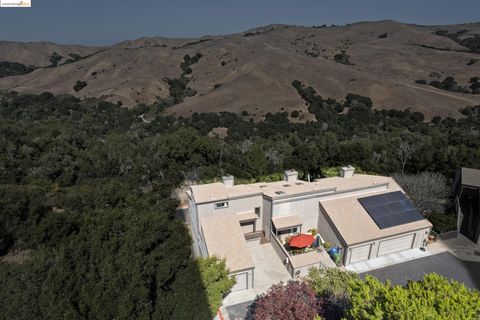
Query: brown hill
{"type": "Point", "coordinates": [253, 70]}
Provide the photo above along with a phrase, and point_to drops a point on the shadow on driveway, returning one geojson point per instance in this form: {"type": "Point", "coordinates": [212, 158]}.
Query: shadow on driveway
{"type": "Point", "coordinates": [444, 264]}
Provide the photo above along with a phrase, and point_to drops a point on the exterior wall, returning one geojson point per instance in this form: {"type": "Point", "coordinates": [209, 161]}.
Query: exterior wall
{"type": "Point", "coordinates": [282, 253]}
{"type": "Point", "coordinates": [267, 217]}
{"type": "Point", "coordinates": [303, 271]}
{"type": "Point", "coordinates": [250, 278]}
{"type": "Point", "coordinates": [420, 236]}
{"type": "Point", "coordinates": [306, 209]}
{"type": "Point", "coordinates": [325, 229]}
{"type": "Point", "coordinates": [234, 206]}
{"type": "Point", "coordinates": [199, 247]}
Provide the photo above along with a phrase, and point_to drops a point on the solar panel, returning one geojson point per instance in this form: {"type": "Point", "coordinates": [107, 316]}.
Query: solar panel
{"type": "Point", "coordinates": [390, 209]}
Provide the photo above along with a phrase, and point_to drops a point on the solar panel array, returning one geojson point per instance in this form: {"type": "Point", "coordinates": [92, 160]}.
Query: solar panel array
{"type": "Point", "coordinates": [390, 209]}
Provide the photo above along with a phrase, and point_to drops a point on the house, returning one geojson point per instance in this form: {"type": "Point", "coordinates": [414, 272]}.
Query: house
{"type": "Point", "coordinates": [467, 203]}
{"type": "Point", "coordinates": [367, 216]}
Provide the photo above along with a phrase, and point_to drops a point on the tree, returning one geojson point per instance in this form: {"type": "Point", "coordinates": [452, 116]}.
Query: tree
{"type": "Point", "coordinates": [256, 161]}
{"type": "Point", "coordinates": [122, 264]}
{"type": "Point", "coordinates": [295, 300]}
{"type": "Point", "coordinates": [55, 59]}
{"type": "Point", "coordinates": [331, 287]}
{"type": "Point", "coordinates": [434, 297]}
{"type": "Point", "coordinates": [79, 85]}
{"type": "Point", "coordinates": [405, 153]}
{"type": "Point", "coordinates": [216, 280]}
{"type": "Point", "coordinates": [428, 191]}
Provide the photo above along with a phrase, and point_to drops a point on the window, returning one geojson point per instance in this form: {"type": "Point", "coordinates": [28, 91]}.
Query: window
{"type": "Point", "coordinates": [257, 212]}
{"type": "Point", "coordinates": [287, 231]}
{"type": "Point", "coordinates": [221, 205]}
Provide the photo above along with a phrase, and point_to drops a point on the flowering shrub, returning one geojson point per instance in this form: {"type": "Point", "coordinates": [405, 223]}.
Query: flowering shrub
{"type": "Point", "coordinates": [295, 300]}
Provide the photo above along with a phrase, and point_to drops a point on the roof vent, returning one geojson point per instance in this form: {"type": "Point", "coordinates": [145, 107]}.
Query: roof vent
{"type": "Point", "coordinates": [228, 181]}
{"type": "Point", "coordinates": [347, 172]}
{"type": "Point", "coordinates": [290, 175]}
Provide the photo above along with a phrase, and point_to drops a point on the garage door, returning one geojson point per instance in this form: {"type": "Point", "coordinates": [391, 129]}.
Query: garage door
{"type": "Point", "coordinates": [395, 245]}
{"type": "Point", "coordinates": [248, 227]}
{"type": "Point", "coordinates": [361, 253]}
{"type": "Point", "coordinates": [242, 282]}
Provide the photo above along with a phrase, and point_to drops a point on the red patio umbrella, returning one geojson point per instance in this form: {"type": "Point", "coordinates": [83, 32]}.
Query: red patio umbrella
{"type": "Point", "coordinates": [302, 241]}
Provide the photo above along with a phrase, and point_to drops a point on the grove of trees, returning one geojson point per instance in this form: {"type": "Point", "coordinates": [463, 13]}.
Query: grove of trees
{"type": "Point", "coordinates": [87, 226]}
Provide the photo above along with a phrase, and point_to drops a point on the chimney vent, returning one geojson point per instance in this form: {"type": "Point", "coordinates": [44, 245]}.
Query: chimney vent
{"type": "Point", "coordinates": [290, 176]}
{"type": "Point", "coordinates": [228, 181]}
{"type": "Point", "coordinates": [347, 172]}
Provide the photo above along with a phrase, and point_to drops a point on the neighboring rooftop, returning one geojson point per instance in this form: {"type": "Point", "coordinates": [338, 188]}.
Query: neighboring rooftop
{"type": "Point", "coordinates": [355, 224]}
{"type": "Point", "coordinates": [224, 238]}
{"type": "Point", "coordinates": [471, 177]}
{"type": "Point", "coordinates": [214, 192]}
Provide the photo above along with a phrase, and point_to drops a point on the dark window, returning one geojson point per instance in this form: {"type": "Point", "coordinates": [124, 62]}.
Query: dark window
{"type": "Point", "coordinates": [287, 231]}
{"type": "Point", "coordinates": [221, 205]}
{"type": "Point", "coordinates": [257, 212]}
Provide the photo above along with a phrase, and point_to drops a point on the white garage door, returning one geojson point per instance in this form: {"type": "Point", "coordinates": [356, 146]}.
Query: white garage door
{"type": "Point", "coordinates": [361, 253]}
{"type": "Point", "coordinates": [242, 282]}
{"type": "Point", "coordinates": [247, 227]}
{"type": "Point", "coordinates": [396, 245]}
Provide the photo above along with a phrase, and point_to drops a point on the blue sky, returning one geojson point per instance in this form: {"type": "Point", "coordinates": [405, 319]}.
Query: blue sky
{"type": "Point", "coordinates": [104, 22]}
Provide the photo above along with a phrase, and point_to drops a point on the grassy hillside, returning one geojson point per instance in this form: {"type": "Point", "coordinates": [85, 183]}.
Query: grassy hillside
{"type": "Point", "coordinates": [252, 71]}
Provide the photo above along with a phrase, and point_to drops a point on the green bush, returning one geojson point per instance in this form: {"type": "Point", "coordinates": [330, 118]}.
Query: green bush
{"type": "Point", "coordinates": [331, 281]}
{"type": "Point", "coordinates": [13, 69]}
{"type": "Point", "coordinates": [434, 297]}
{"type": "Point", "coordinates": [343, 58]}
{"type": "Point", "coordinates": [294, 114]}
{"type": "Point", "coordinates": [79, 85]}
{"type": "Point", "coordinates": [442, 222]}
{"type": "Point", "coordinates": [216, 280]}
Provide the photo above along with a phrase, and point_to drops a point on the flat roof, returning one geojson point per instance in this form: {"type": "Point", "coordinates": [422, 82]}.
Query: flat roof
{"type": "Point", "coordinates": [224, 238]}
{"type": "Point", "coordinates": [356, 226]}
{"type": "Point", "coordinates": [246, 216]}
{"type": "Point", "coordinates": [217, 191]}
{"type": "Point", "coordinates": [471, 177]}
{"type": "Point", "coordinates": [284, 222]}
{"type": "Point", "coordinates": [311, 258]}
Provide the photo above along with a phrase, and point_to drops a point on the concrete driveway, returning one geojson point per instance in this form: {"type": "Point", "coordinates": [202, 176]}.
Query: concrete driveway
{"type": "Point", "coordinates": [445, 264]}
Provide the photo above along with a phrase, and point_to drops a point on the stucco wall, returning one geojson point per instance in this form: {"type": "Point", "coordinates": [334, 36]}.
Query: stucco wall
{"type": "Point", "coordinates": [234, 206]}
{"type": "Point", "coordinates": [306, 209]}
{"type": "Point", "coordinates": [267, 217]}
{"type": "Point", "coordinates": [326, 229]}
{"type": "Point", "coordinates": [250, 277]}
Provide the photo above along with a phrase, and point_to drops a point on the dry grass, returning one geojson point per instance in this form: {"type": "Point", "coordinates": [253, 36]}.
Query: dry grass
{"type": "Point", "coordinates": [257, 71]}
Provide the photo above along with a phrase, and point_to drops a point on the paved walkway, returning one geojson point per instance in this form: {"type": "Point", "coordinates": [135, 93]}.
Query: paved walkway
{"type": "Point", "coordinates": [460, 246]}
{"type": "Point", "coordinates": [269, 270]}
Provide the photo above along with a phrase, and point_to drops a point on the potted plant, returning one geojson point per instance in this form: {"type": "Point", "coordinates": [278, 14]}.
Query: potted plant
{"type": "Point", "coordinates": [327, 245]}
